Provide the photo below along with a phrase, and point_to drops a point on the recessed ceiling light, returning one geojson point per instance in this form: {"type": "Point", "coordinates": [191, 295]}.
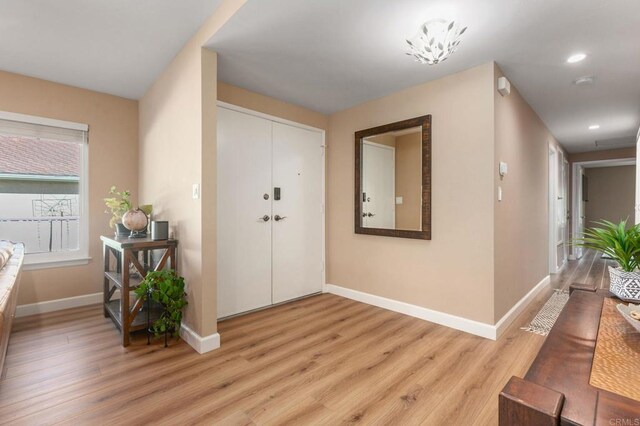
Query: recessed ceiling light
{"type": "Point", "coordinates": [584, 81]}
{"type": "Point", "coordinates": [594, 127]}
{"type": "Point", "coordinates": [576, 58]}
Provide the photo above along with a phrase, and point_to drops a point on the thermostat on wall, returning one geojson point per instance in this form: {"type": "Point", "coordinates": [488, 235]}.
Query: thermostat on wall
{"type": "Point", "coordinates": [503, 169]}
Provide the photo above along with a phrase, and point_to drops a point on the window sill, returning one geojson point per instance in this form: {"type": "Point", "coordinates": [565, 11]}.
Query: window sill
{"type": "Point", "coordinates": [49, 264]}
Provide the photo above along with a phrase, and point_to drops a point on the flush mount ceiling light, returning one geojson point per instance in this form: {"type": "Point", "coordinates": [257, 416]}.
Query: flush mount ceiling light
{"type": "Point", "coordinates": [576, 58]}
{"type": "Point", "coordinates": [584, 81]}
{"type": "Point", "coordinates": [436, 41]}
{"type": "Point", "coordinates": [594, 127]}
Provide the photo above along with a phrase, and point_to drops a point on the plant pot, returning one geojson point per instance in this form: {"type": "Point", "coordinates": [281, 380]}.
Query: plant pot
{"type": "Point", "coordinates": [625, 285]}
{"type": "Point", "coordinates": [121, 230]}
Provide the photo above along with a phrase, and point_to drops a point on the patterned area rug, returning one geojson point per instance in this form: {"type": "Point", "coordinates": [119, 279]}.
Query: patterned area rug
{"type": "Point", "coordinates": [543, 322]}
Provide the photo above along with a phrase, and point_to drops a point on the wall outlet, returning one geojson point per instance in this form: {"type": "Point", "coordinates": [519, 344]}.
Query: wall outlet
{"type": "Point", "coordinates": [195, 191]}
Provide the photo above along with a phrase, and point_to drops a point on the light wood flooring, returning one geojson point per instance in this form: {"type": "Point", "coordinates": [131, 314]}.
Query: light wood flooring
{"type": "Point", "coordinates": [321, 360]}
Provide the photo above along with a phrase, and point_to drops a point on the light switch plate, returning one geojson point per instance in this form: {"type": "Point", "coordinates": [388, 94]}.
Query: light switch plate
{"type": "Point", "coordinates": [195, 191]}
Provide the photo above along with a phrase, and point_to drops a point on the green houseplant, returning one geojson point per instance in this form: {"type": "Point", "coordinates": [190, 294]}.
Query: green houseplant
{"type": "Point", "coordinates": [166, 288]}
{"type": "Point", "coordinates": [622, 244]}
{"type": "Point", "coordinates": [118, 204]}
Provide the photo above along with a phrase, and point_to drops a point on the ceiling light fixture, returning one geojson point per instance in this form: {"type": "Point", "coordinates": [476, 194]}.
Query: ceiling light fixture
{"type": "Point", "coordinates": [594, 127]}
{"type": "Point", "coordinates": [436, 41]}
{"type": "Point", "coordinates": [576, 58]}
{"type": "Point", "coordinates": [584, 81]}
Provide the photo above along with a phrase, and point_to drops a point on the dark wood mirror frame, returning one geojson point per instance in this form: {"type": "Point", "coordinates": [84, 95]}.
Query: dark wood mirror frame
{"type": "Point", "coordinates": [425, 233]}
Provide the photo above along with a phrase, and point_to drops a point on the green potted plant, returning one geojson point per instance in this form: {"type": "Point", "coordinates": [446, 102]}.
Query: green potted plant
{"type": "Point", "coordinates": [166, 288]}
{"type": "Point", "coordinates": [622, 244]}
{"type": "Point", "coordinates": [118, 204]}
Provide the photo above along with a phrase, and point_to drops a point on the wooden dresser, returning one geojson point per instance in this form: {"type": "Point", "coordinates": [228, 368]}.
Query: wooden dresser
{"type": "Point", "coordinates": [556, 390]}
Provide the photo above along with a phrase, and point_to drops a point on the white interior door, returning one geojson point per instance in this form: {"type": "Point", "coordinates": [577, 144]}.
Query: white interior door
{"type": "Point", "coordinates": [582, 207]}
{"type": "Point", "coordinates": [298, 158]}
{"type": "Point", "coordinates": [378, 177]}
{"type": "Point", "coordinates": [244, 237]}
{"type": "Point", "coordinates": [561, 211]}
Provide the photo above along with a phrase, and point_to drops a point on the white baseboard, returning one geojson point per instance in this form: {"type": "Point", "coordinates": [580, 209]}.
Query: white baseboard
{"type": "Point", "coordinates": [448, 320]}
{"type": "Point", "coordinates": [200, 344]}
{"type": "Point", "coordinates": [477, 328]}
{"type": "Point", "coordinates": [58, 304]}
{"type": "Point", "coordinates": [517, 309]}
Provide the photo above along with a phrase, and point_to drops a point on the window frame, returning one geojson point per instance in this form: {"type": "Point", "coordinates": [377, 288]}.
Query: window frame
{"type": "Point", "coordinates": [71, 257]}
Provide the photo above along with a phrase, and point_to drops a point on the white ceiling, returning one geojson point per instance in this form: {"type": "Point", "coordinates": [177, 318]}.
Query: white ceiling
{"type": "Point", "coordinates": [329, 55]}
{"type": "Point", "coordinates": [112, 46]}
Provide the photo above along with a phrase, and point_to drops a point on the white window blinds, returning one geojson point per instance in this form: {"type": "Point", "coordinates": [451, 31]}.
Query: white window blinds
{"type": "Point", "coordinates": [43, 128]}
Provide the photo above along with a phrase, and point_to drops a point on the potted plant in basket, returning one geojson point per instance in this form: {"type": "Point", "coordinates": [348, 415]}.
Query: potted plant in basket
{"type": "Point", "coordinates": [166, 288]}
{"type": "Point", "coordinates": [118, 205]}
{"type": "Point", "coordinates": [622, 244]}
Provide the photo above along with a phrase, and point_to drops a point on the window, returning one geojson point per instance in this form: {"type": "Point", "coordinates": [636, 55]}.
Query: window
{"type": "Point", "coordinates": [43, 188]}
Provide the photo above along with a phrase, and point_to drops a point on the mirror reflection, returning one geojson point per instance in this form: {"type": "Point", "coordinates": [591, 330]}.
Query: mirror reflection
{"type": "Point", "coordinates": [391, 180]}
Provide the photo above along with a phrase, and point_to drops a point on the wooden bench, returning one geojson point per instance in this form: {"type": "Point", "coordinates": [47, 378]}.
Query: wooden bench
{"type": "Point", "coordinates": [556, 389]}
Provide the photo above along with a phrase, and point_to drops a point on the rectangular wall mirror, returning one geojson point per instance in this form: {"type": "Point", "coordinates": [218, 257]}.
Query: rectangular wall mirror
{"type": "Point", "coordinates": [393, 179]}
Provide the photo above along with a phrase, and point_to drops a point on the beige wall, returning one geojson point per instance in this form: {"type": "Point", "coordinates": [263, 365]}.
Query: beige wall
{"type": "Point", "coordinates": [521, 222]}
{"type": "Point", "coordinates": [453, 272]}
{"type": "Point", "coordinates": [267, 105]}
{"type": "Point", "coordinates": [113, 160]}
{"type": "Point", "coordinates": [609, 154]}
{"type": "Point", "coordinates": [612, 192]}
{"type": "Point", "coordinates": [177, 150]}
{"type": "Point", "coordinates": [409, 181]}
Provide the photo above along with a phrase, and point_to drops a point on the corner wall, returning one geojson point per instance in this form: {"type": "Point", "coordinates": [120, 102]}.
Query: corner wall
{"type": "Point", "coordinates": [177, 150]}
{"type": "Point", "coordinates": [113, 160]}
{"type": "Point", "coordinates": [521, 221]}
{"type": "Point", "coordinates": [452, 273]}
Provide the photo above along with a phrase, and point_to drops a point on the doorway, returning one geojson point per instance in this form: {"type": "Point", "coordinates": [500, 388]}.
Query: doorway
{"type": "Point", "coordinates": [602, 189]}
{"type": "Point", "coordinates": [558, 209]}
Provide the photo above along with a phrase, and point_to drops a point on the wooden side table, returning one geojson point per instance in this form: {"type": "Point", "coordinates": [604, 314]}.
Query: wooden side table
{"type": "Point", "coordinates": [134, 257]}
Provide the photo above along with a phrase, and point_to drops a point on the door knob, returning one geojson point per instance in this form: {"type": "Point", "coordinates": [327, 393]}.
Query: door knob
{"type": "Point", "coordinates": [278, 218]}
{"type": "Point", "coordinates": [364, 215]}
{"type": "Point", "coordinates": [370, 214]}
{"type": "Point", "coordinates": [265, 218]}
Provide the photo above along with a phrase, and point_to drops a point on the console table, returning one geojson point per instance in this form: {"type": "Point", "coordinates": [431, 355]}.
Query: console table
{"type": "Point", "coordinates": [126, 263]}
{"type": "Point", "coordinates": [556, 389]}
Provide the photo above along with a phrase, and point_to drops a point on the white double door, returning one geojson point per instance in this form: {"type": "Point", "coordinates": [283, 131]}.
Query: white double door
{"type": "Point", "coordinates": [269, 212]}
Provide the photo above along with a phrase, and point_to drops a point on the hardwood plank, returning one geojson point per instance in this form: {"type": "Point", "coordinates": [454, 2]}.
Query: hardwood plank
{"type": "Point", "coordinates": [320, 360]}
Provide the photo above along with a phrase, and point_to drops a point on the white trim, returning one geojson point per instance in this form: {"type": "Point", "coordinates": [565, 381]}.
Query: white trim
{"type": "Point", "coordinates": [517, 309]}
{"type": "Point", "coordinates": [59, 304]}
{"type": "Point", "coordinates": [32, 119]}
{"type": "Point", "coordinates": [200, 344]}
{"type": "Point", "coordinates": [552, 189]}
{"type": "Point", "coordinates": [477, 328]}
{"type": "Point", "coordinates": [576, 194]}
{"type": "Point", "coordinates": [48, 264]}
{"type": "Point", "coordinates": [448, 320]}
{"type": "Point", "coordinates": [48, 178]}
{"type": "Point", "coordinates": [269, 117]}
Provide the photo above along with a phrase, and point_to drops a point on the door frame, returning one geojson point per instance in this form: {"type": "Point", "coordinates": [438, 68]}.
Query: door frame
{"type": "Point", "coordinates": [552, 160]}
{"type": "Point", "coordinates": [576, 193]}
{"type": "Point", "coordinates": [393, 150]}
{"type": "Point", "coordinates": [323, 147]}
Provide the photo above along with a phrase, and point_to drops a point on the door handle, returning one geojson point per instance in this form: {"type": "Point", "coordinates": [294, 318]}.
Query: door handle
{"type": "Point", "coordinates": [278, 218]}
{"type": "Point", "coordinates": [370, 214]}
{"type": "Point", "coordinates": [364, 215]}
{"type": "Point", "coordinates": [265, 218]}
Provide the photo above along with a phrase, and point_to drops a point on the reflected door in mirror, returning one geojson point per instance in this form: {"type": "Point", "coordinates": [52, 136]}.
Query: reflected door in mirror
{"type": "Point", "coordinates": [378, 186]}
